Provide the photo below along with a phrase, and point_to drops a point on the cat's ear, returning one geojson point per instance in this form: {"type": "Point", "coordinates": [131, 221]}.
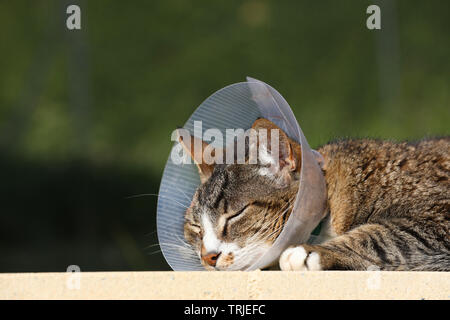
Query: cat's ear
{"type": "Point", "coordinates": [289, 151]}
{"type": "Point", "coordinates": [196, 149]}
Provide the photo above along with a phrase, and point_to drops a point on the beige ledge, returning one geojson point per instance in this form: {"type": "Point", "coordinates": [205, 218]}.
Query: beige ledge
{"type": "Point", "coordinates": [227, 285]}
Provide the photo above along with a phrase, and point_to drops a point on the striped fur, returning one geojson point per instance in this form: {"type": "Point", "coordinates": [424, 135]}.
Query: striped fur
{"type": "Point", "coordinates": [389, 208]}
{"type": "Point", "coordinates": [389, 204]}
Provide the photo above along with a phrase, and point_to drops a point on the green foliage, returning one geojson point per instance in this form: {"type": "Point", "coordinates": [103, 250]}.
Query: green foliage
{"type": "Point", "coordinates": [146, 66]}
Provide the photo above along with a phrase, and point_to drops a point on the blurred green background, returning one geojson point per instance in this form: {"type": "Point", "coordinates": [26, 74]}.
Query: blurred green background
{"type": "Point", "coordinates": [86, 116]}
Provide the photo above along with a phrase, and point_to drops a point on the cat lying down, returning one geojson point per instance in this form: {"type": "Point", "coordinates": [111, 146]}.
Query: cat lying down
{"type": "Point", "coordinates": [388, 207]}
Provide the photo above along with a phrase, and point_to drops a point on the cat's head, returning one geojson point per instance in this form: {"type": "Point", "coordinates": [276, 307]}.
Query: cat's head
{"type": "Point", "coordinates": [239, 210]}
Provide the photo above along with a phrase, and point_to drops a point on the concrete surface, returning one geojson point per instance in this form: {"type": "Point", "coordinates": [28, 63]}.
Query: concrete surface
{"type": "Point", "coordinates": [227, 285]}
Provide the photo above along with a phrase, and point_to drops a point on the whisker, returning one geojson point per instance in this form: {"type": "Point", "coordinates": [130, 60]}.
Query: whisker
{"type": "Point", "coordinates": [151, 246]}
{"type": "Point", "coordinates": [156, 195]}
{"type": "Point", "coordinates": [182, 245]}
{"type": "Point", "coordinates": [184, 193]}
{"type": "Point", "coordinates": [150, 233]}
{"type": "Point", "coordinates": [274, 231]}
{"type": "Point", "coordinates": [246, 256]}
{"type": "Point", "coordinates": [183, 250]}
{"type": "Point", "coordinates": [277, 215]}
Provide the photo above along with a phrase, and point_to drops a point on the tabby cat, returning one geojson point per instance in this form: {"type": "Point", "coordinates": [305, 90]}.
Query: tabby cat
{"type": "Point", "coordinates": [388, 207]}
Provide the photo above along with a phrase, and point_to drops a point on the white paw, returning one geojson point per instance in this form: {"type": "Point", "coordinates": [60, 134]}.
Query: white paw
{"type": "Point", "coordinates": [297, 259]}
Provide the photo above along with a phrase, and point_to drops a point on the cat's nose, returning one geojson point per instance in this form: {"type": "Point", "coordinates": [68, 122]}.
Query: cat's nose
{"type": "Point", "coordinates": [211, 258]}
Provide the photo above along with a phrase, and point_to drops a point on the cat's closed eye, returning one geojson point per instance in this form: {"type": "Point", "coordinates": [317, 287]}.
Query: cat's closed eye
{"type": "Point", "coordinates": [237, 213]}
{"type": "Point", "coordinates": [230, 218]}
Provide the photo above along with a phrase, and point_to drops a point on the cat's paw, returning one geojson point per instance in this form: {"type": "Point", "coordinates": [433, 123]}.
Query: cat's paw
{"type": "Point", "coordinates": [298, 259]}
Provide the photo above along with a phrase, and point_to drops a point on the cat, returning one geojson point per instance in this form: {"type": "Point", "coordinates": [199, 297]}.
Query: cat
{"type": "Point", "coordinates": [388, 207]}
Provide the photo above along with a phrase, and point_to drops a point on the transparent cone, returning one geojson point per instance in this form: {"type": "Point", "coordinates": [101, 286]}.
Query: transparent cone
{"type": "Point", "coordinates": [238, 106]}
